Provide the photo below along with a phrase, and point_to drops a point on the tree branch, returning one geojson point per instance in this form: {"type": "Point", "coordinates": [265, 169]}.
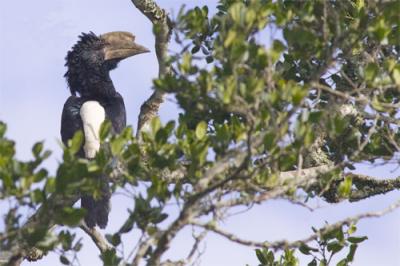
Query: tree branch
{"type": "Point", "coordinates": [143, 248]}
{"type": "Point", "coordinates": [162, 32]}
{"type": "Point", "coordinates": [97, 237]}
{"type": "Point", "coordinates": [283, 244]}
{"type": "Point", "coordinates": [189, 212]}
{"type": "Point", "coordinates": [363, 187]}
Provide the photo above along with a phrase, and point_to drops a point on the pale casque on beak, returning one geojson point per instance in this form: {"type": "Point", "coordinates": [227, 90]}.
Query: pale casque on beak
{"type": "Point", "coordinates": [121, 45]}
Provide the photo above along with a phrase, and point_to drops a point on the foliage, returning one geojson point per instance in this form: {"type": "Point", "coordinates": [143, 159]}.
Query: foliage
{"type": "Point", "coordinates": [330, 243]}
{"type": "Point", "coordinates": [323, 92]}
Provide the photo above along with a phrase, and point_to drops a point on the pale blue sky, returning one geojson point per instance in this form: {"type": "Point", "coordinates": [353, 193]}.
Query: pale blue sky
{"type": "Point", "coordinates": [35, 36]}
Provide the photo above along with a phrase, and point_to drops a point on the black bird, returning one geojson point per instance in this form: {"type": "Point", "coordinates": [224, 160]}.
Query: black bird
{"type": "Point", "coordinates": [95, 99]}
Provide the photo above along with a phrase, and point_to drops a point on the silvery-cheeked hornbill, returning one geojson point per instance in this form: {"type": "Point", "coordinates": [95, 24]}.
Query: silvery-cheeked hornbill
{"type": "Point", "coordinates": [93, 100]}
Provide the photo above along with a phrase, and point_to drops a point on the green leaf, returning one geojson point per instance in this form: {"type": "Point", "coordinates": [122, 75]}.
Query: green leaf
{"type": "Point", "coordinates": [315, 117]}
{"type": "Point", "coordinates": [277, 48]}
{"type": "Point", "coordinates": [356, 240]}
{"type": "Point", "coordinates": [344, 189]}
{"type": "Point", "coordinates": [76, 142]}
{"type": "Point", "coordinates": [261, 257]}
{"type": "Point", "coordinates": [127, 133]}
{"type": "Point", "coordinates": [114, 239]}
{"type": "Point", "coordinates": [331, 234]}
{"type": "Point", "coordinates": [236, 11]}
{"type": "Point", "coordinates": [380, 30]}
{"type": "Point", "coordinates": [66, 239]}
{"type": "Point", "coordinates": [359, 4]}
{"type": "Point", "coordinates": [50, 186]}
{"type": "Point", "coordinates": [37, 196]}
{"type": "Point", "coordinates": [230, 38]}
{"type": "Point", "coordinates": [251, 16]}
{"type": "Point", "coordinates": [270, 256]}
{"type": "Point", "coordinates": [299, 36]}
{"type": "Point", "coordinates": [37, 149]}
{"type": "Point", "coordinates": [33, 237]}
{"type": "Point", "coordinates": [350, 255]}
{"type": "Point", "coordinates": [158, 219]}
{"type": "Point", "coordinates": [334, 247]}
{"type": "Point", "coordinates": [343, 262]}
{"type": "Point", "coordinates": [201, 130]}
{"type": "Point", "coordinates": [46, 154]}
{"type": "Point", "coordinates": [298, 94]}
{"type": "Point", "coordinates": [227, 89]}
{"type": "Point", "coordinates": [313, 263]}
{"type": "Point", "coordinates": [396, 75]}
{"type": "Point", "coordinates": [371, 71]}
{"type": "Point", "coordinates": [117, 145]}
{"type": "Point", "coordinates": [105, 130]}
{"type": "Point", "coordinates": [209, 59]}
{"type": "Point", "coordinates": [70, 216]}
{"type": "Point", "coordinates": [195, 49]}
{"type": "Point", "coordinates": [269, 140]}
{"type": "Point", "coordinates": [128, 225]}
{"type": "Point", "coordinates": [352, 229]}
{"type": "Point", "coordinates": [3, 129]}
{"type": "Point", "coordinates": [40, 175]}
{"type": "Point", "coordinates": [186, 63]}
{"type": "Point", "coordinates": [155, 125]}
{"type": "Point", "coordinates": [109, 257]}
{"type": "Point", "coordinates": [305, 249]}
{"type": "Point", "coordinates": [64, 260]}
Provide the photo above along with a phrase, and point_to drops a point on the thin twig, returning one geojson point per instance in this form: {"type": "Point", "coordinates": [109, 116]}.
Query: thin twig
{"type": "Point", "coordinates": [283, 244]}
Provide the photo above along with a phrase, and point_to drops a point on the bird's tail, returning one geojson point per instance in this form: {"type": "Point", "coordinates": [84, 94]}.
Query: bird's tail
{"type": "Point", "coordinates": [98, 210]}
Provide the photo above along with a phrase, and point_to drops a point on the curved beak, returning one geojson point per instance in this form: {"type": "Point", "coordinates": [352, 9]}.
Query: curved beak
{"type": "Point", "coordinates": [121, 45]}
{"type": "Point", "coordinates": [124, 52]}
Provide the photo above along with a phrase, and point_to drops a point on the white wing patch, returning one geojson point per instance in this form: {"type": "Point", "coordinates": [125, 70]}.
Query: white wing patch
{"type": "Point", "coordinates": [92, 115]}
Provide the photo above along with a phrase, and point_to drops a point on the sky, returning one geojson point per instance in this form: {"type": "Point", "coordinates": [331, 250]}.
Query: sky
{"type": "Point", "coordinates": [35, 37]}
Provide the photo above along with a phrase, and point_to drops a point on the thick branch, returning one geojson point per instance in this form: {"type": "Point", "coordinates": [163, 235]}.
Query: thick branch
{"type": "Point", "coordinates": [287, 181]}
{"type": "Point", "coordinates": [143, 248]}
{"type": "Point", "coordinates": [369, 186]}
{"type": "Point", "coordinates": [363, 187]}
{"type": "Point", "coordinates": [162, 31]}
{"type": "Point", "coordinates": [97, 238]}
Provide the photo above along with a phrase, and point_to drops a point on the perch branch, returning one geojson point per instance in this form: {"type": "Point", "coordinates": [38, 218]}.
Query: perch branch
{"type": "Point", "coordinates": [162, 32]}
{"type": "Point", "coordinates": [97, 237]}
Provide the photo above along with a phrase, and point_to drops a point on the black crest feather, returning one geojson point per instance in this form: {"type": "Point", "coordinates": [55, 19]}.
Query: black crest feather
{"type": "Point", "coordinates": [85, 55]}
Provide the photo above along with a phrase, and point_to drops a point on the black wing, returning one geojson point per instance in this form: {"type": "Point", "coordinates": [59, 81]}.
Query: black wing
{"type": "Point", "coordinates": [115, 112]}
{"type": "Point", "coordinates": [71, 120]}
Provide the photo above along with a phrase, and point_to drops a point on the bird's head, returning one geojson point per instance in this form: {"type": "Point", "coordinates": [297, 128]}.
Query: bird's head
{"type": "Point", "coordinates": [95, 55]}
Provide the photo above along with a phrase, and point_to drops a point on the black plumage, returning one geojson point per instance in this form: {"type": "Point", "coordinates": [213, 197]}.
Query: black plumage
{"type": "Point", "coordinates": [88, 76]}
